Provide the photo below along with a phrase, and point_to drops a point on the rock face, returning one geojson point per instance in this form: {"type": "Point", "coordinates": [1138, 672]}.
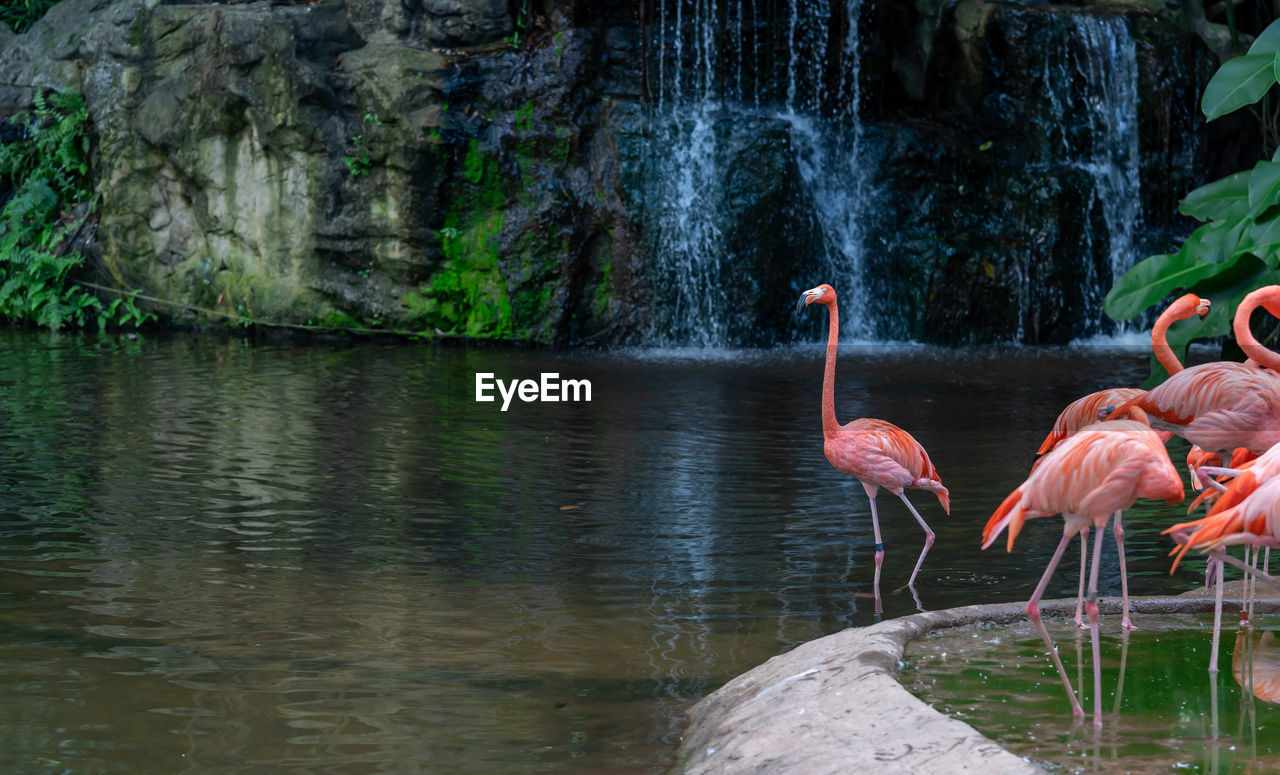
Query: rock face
{"type": "Point", "coordinates": [486, 168]}
{"type": "Point", "coordinates": [328, 164]}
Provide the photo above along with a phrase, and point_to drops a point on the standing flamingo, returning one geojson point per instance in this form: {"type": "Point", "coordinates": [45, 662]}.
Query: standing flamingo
{"type": "Point", "coordinates": [877, 453]}
{"type": "Point", "coordinates": [1222, 405]}
{"type": "Point", "coordinates": [1095, 406]}
{"type": "Point", "coordinates": [1255, 520]}
{"type": "Point", "coordinates": [1247, 477]}
{"type": "Point", "coordinates": [1100, 470]}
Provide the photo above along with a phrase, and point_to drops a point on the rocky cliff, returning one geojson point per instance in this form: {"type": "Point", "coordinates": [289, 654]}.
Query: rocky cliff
{"type": "Point", "coordinates": [480, 167]}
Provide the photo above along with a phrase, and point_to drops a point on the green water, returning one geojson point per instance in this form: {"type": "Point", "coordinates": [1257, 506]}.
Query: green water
{"type": "Point", "coordinates": [1162, 709]}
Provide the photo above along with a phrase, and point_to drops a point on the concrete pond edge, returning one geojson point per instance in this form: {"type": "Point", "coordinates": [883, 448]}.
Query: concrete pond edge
{"type": "Point", "coordinates": [835, 705]}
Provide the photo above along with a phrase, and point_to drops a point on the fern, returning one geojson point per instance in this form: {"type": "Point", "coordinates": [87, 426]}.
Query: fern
{"type": "Point", "coordinates": [21, 14]}
{"type": "Point", "coordinates": [48, 170]}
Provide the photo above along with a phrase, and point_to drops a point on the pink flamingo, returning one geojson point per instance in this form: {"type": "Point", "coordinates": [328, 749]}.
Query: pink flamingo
{"type": "Point", "coordinates": [1221, 405]}
{"type": "Point", "coordinates": [1253, 522]}
{"type": "Point", "coordinates": [1267, 297]}
{"type": "Point", "coordinates": [1100, 470]}
{"type": "Point", "coordinates": [1251, 418]}
{"type": "Point", "coordinates": [1096, 406]}
{"type": "Point", "coordinates": [877, 453]}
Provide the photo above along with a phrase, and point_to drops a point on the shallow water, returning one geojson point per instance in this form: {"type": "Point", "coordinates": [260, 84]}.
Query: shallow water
{"type": "Point", "coordinates": [1162, 709]}
{"type": "Point", "coordinates": [224, 556]}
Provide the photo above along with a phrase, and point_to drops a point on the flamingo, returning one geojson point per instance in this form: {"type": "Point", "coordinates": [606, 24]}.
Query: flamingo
{"type": "Point", "coordinates": [1248, 477]}
{"type": "Point", "coordinates": [1100, 470]}
{"type": "Point", "coordinates": [1095, 406]}
{"type": "Point", "coordinates": [1222, 405]}
{"type": "Point", "coordinates": [877, 453]}
{"type": "Point", "coordinates": [1253, 521]}
{"type": "Point", "coordinates": [1267, 297]}
{"type": "Point", "coordinates": [1232, 402]}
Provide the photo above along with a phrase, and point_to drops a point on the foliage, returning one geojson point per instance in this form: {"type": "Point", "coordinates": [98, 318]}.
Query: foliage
{"type": "Point", "coordinates": [1237, 247]}
{"type": "Point", "coordinates": [521, 25]}
{"type": "Point", "coordinates": [360, 165]}
{"type": "Point", "coordinates": [21, 14]}
{"type": "Point", "coordinates": [47, 170]}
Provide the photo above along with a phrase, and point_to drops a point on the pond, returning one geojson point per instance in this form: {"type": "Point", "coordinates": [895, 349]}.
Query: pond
{"type": "Point", "coordinates": [1163, 710]}
{"type": "Point", "coordinates": [226, 556]}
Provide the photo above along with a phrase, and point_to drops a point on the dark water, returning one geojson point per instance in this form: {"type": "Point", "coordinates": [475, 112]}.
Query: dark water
{"type": "Point", "coordinates": [1162, 709]}
{"type": "Point", "coordinates": [221, 556]}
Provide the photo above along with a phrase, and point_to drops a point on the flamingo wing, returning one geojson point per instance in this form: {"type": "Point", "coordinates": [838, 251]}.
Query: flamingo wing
{"type": "Point", "coordinates": [1083, 412]}
{"type": "Point", "coordinates": [881, 454]}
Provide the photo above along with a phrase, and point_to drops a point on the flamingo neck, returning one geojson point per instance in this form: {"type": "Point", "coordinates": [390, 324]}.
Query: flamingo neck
{"type": "Point", "coordinates": [829, 424]}
{"type": "Point", "coordinates": [1160, 344]}
{"type": "Point", "coordinates": [1247, 341]}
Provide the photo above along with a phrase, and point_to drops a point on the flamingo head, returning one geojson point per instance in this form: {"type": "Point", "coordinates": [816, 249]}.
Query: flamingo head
{"type": "Point", "coordinates": [823, 294]}
{"type": "Point", "coordinates": [1188, 305]}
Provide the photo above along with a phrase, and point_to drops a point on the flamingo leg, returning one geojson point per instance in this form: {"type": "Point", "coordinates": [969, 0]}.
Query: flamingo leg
{"type": "Point", "coordinates": [1124, 659]}
{"type": "Point", "coordinates": [928, 538]}
{"type": "Point", "coordinates": [1217, 622]}
{"type": "Point", "coordinates": [1033, 611]}
{"type": "Point", "coordinates": [1252, 586]}
{"type": "Point", "coordinates": [1206, 473]}
{"type": "Point", "coordinates": [1084, 569]}
{"type": "Point", "coordinates": [1125, 622]}
{"type": "Point", "coordinates": [875, 526]}
{"type": "Point", "coordinates": [1091, 606]}
{"type": "Point", "coordinates": [1228, 559]}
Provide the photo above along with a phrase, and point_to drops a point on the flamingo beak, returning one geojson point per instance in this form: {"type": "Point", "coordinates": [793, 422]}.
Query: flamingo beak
{"type": "Point", "coordinates": [806, 299]}
{"type": "Point", "coordinates": [1202, 308]}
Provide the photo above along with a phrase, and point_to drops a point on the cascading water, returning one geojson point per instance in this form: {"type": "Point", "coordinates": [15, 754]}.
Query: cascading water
{"type": "Point", "coordinates": [1091, 84]}
{"type": "Point", "coordinates": [767, 93]}
{"type": "Point", "coordinates": [727, 70]}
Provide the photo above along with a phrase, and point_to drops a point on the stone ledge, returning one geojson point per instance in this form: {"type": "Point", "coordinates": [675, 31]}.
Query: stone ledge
{"type": "Point", "coordinates": [834, 705]}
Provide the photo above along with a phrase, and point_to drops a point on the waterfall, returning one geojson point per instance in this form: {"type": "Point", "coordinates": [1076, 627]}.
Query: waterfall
{"type": "Point", "coordinates": [727, 69]}
{"type": "Point", "coordinates": [775, 84]}
{"type": "Point", "coordinates": [834, 170]}
{"type": "Point", "coordinates": [1091, 87]}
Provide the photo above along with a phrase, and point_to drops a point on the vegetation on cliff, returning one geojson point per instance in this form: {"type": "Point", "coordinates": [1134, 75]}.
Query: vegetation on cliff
{"type": "Point", "coordinates": [45, 172]}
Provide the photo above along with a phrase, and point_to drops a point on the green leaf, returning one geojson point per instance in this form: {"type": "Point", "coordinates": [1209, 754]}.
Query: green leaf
{"type": "Point", "coordinates": [1264, 186]}
{"type": "Point", "coordinates": [1239, 82]}
{"type": "Point", "coordinates": [1268, 42]}
{"type": "Point", "coordinates": [1217, 242]}
{"type": "Point", "coordinates": [1213, 201]}
{"type": "Point", "coordinates": [1265, 239]}
{"type": "Point", "coordinates": [1154, 278]}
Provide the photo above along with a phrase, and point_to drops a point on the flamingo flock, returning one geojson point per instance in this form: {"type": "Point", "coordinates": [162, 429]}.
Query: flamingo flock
{"type": "Point", "coordinates": [1106, 451]}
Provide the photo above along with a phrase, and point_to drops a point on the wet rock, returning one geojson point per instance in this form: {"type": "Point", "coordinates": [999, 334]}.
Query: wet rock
{"type": "Point", "coordinates": [320, 164]}
{"type": "Point", "coordinates": [466, 22]}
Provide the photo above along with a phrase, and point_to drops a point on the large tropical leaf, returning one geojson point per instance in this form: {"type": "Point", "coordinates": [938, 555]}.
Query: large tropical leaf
{"type": "Point", "coordinates": [1264, 236]}
{"type": "Point", "coordinates": [1239, 82]}
{"type": "Point", "coordinates": [1268, 42]}
{"type": "Point", "coordinates": [1213, 201]}
{"type": "Point", "coordinates": [1154, 278]}
{"type": "Point", "coordinates": [1264, 186]}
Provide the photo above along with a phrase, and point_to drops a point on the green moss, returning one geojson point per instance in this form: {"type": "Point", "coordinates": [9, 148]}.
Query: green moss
{"type": "Point", "coordinates": [468, 295]}
{"type": "Point", "coordinates": [473, 164]}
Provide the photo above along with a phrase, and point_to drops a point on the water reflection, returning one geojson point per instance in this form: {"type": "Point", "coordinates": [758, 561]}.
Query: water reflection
{"type": "Point", "coordinates": [221, 556]}
{"type": "Point", "coordinates": [1255, 663]}
{"type": "Point", "coordinates": [1166, 712]}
